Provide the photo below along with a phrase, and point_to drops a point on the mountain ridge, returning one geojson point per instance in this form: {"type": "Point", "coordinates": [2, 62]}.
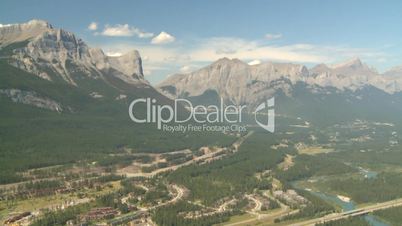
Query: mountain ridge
{"type": "Point", "coordinates": [236, 81]}
{"type": "Point", "coordinates": [39, 45]}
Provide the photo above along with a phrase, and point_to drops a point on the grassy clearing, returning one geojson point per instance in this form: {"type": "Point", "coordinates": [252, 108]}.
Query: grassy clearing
{"type": "Point", "coordinates": [239, 218]}
{"type": "Point", "coordinates": [315, 150]}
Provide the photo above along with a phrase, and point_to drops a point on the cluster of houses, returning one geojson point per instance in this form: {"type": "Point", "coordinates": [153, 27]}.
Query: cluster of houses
{"type": "Point", "coordinates": [14, 219]}
{"type": "Point", "coordinates": [290, 197]}
{"type": "Point", "coordinates": [99, 213]}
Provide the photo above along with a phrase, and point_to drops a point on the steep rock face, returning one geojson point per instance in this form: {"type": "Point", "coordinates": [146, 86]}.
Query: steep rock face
{"type": "Point", "coordinates": [130, 64]}
{"type": "Point", "coordinates": [235, 81]}
{"type": "Point", "coordinates": [12, 33]}
{"type": "Point", "coordinates": [239, 83]}
{"type": "Point", "coordinates": [41, 49]}
{"type": "Point", "coordinates": [352, 75]}
{"type": "Point", "coordinates": [392, 80]}
{"type": "Point", "coordinates": [31, 98]}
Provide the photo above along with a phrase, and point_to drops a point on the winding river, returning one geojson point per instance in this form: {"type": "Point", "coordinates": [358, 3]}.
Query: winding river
{"type": "Point", "coordinates": [347, 206]}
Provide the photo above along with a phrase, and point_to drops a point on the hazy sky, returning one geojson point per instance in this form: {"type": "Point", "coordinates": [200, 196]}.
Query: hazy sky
{"type": "Point", "coordinates": [174, 36]}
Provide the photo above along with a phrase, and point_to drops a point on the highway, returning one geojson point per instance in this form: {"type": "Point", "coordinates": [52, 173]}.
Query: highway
{"type": "Point", "coordinates": [352, 213]}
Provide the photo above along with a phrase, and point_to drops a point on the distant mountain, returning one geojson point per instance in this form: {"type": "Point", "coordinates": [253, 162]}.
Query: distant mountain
{"type": "Point", "coordinates": [235, 81]}
{"type": "Point", "coordinates": [324, 93]}
{"type": "Point", "coordinates": [238, 82]}
{"type": "Point", "coordinates": [352, 75]}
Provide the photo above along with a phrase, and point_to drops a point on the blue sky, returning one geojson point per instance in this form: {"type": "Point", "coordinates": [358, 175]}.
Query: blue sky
{"type": "Point", "coordinates": [195, 33]}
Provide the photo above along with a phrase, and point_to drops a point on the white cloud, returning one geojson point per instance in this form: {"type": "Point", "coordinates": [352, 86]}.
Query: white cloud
{"type": "Point", "coordinates": [93, 26]}
{"type": "Point", "coordinates": [114, 54]}
{"type": "Point", "coordinates": [161, 60]}
{"type": "Point", "coordinates": [163, 38]}
{"type": "Point", "coordinates": [273, 36]}
{"type": "Point", "coordinates": [254, 62]}
{"type": "Point", "coordinates": [124, 30]}
{"type": "Point", "coordinates": [6, 25]}
{"type": "Point", "coordinates": [187, 68]}
{"type": "Point", "coordinates": [242, 49]}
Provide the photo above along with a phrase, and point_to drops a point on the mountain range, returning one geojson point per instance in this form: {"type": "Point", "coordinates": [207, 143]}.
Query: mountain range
{"type": "Point", "coordinates": [240, 83]}
{"type": "Point", "coordinates": [56, 57]}
{"type": "Point", "coordinates": [63, 101]}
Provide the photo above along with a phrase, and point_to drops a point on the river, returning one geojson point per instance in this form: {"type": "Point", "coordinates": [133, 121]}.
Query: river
{"type": "Point", "coordinates": [347, 206]}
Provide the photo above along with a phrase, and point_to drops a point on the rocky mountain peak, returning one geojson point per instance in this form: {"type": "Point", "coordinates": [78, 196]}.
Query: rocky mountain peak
{"type": "Point", "coordinates": [227, 61]}
{"type": "Point", "coordinates": [320, 67]}
{"type": "Point", "coordinates": [354, 63]}
{"type": "Point", "coordinates": [234, 80]}
{"type": "Point", "coordinates": [395, 72]}
{"type": "Point", "coordinates": [129, 63]}
{"type": "Point", "coordinates": [64, 54]}
{"type": "Point", "coordinates": [12, 33]}
{"type": "Point", "coordinates": [39, 23]}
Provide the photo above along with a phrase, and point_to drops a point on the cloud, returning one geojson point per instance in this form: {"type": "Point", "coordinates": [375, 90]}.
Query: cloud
{"type": "Point", "coordinates": [226, 50]}
{"type": "Point", "coordinates": [114, 54]}
{"type": "Point", "coordinates": [273, 36]}
{"type": "Point", "coordinates": [163, 38]}
{"type": "Point", "coordinates": [161, 60]}
{"type": "Point", "coordinates": [6, 25]}
{"type": "Point", "coordinates": [254, 62]}
{"type": "Point", "coordinates": [188, 68]}
{"type": "Point", "coordinates": [93, 26]}
{"type": "Point", "coordinates": [242, 49]}
{"type": "Point", "coordinates": [124, 30]}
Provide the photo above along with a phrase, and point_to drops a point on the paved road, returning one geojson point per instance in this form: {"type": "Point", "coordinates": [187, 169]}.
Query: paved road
{"type": "Point", "coordinates": [223, 207]}
{"type": "Point", "coordinates": [180, 193]}
{"type": "Point", "coordinates": [257, 202]}
{"type": "Point", "coordinates": [356, 212]}
{"type": "Point", "coordinates": [264, 217]}
{"type": "Point", "coordinates": [267, 217]}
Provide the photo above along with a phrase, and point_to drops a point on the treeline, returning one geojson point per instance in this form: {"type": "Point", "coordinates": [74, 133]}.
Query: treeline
{"type": "Point", "coordinates": [384, 187]}
{"type": "Point", "coordinates": [352, 221]}
{"type": "Point", "coordinates": [391, 215]}
{"type": "Point", "coordinates": [44, 184]}
{"type": "Point", "coordinates": [308, 165]}
{"type": "Point", "coordinates": [9, 176]}
{"type": "Point", "coordinates": [316, 207]}
{"type": "Point", "coordinates": [61, 217]}
{"type": "Point", "coordinates": [179, 158]}
{"type": "Point", "coordinates": [112, 200]}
